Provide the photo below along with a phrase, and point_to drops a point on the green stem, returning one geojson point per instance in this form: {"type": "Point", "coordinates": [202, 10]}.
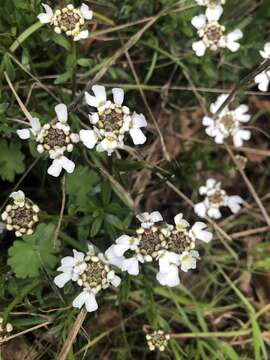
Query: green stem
{"type": "Point", "coordinates": [26, 290]}
{"type": "Point", "coordinates": [74, 69]}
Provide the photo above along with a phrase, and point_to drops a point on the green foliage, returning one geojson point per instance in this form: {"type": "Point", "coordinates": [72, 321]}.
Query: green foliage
{"type": "Point", "coordinates": [11, 160]}
{"type": "Point", "coordinates": [34, 252]}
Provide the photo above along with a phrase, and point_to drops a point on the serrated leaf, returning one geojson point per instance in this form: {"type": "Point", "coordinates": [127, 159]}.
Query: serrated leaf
{"type": "Point", "coordinates": [11, 160]}
{"type": "Point", "coordinates": [29, 255]}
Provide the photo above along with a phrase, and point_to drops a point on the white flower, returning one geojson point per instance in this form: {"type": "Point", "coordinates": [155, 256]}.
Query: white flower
{"type": "Point", "coordinates": [87, 298]}
{"type": "Point", "coordinates": [35, 129]}
{"type": "Point", "coordinates": [265, 53]}
{"type": "Point", "coordinates": [215, 198]}
{"type": "Point", "coordinates": [71, 268]}
{"type": "Point", "coordinates": [263, 78]}
{"type": "Point", "coordinates": [148, 220]}
{"type": "Point", "coordinates": [180, 222]}
{"type": "Point", "coordinates": [189, 260]}
{"type": "Point", "coordinates": [92, 273]}
{"type": "Point", "coordinates": [228, 123]}
{"type": "Point", "coordinates": [168, 274]}
{"type": "Point", "coordinates": [68, 20]}
{"type": "Point", "coordinates": [198, 232]}
{"type": "Point", "coordinates": [18, 198]}
{"type": "Point", "coordinates": [212, 33]}
{"type": "Point", "coordinates": [47, 17]}
{"type": "Point", "coordinates": [55, 139]}
{"type": "Point", "coordinates": [111, 122]}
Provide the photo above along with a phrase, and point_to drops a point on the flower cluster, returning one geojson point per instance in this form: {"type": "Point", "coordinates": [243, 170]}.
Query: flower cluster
{"type": "Point", "coordinates": [158, 339]}
{"type": "Point", "coordinates": [172, 246]}
{"type": "Point", "coordinates": [67, 20]}
{"type": "Point", "coordinates": [91, 272]}
{"type": "Point", "coordinates": [211, 32]}
{"type": "Point", "coordinates": [228, 123]}
{"type": "Point", "coordinates": [5, 329]}
{"type": "Point", "coordinates": [263, 78]}
{"type": "Point", "coordinates": [211, 4]}
{"type": "Point", "coordinates": [55, 138]}
{"type": "Point", "coordinates": [21, 216]}
{"type": "Point", "coordinates": [215, 198]}
{"type": "Point", "coordinates": [111, 122]}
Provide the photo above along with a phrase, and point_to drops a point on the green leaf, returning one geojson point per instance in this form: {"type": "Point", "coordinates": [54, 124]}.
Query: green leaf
{"type": "Point", "coordinates": [80, 183]}
{"type": "Point", "coordinates": [96, 225]}
{"type": "Point", "coordinates": [29, 255]}
{"type": "Point", "coordinates": [62, 41]}
{"type": "Point", "coordinates": [11, 160]}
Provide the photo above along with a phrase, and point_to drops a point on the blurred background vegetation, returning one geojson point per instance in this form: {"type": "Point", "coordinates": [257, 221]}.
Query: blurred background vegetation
{"type": "Point", "coordinates": [222, 308]}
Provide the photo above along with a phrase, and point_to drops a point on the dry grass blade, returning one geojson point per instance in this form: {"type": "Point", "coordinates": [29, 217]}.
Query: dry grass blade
{"type": "Point", "coordinates": [72, 334]}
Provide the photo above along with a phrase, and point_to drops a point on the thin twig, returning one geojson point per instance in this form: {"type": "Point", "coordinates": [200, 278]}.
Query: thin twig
{"type": "Point", "coordinates": [61, 214]}
{"type": "Point", "coordinates": [72, 334]}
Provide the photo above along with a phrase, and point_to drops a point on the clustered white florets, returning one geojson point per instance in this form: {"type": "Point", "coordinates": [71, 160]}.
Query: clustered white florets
{"type": "Point", "coordinates": [172, 246]}
{"type": "Point", "coordinates": [228, 123]}
{"type": "Point", "coordinates": [55, 138]}
{"type": "Point", "coordinates": [215, 198]}
{"type": "Point", "coordinates": [5, 329]}
{"type": "Point", "coordinates": [68, 20]}
{"type": "Point", "coordinates": [212, 33]}
{"type": "Point", "coordinates": [91, 272]}
{"type": "Point", "coordinates": [158, 339]}
{"type": "Point", "coordinates": [263, 78]}
{"type": "Point", "coordinates": [21, 215]}
{"type": "Point", "coordinates": [111, 122]}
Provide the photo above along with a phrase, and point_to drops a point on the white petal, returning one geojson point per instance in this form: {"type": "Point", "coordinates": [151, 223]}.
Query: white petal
{"type": "Point", "coordinates": [78, 255]}
{"type": "Point", "coordinates": [180, 222]}
{"type": "Point", "coordinates": [199, 21]}
{"type": "Point", "coordinates": [207, 121]}
{"type": "Point", "coordinates": [170, 278]}
{"type": "Point", "coordinates": [200, 233]}
{"type": "Point", "coordinates": [219, 138]}
{"type": "Point", "coordinates": [80, 300]}
{"type": "Point", "coordinates": [167, 259]}
{"type": "Point", "coordinates": [216, 105]}
{"type": "Point", "coordinates": [100, 94]}
{"type": "Point", "coordinates": [116, 281]}
{"type": "Point", "coordinates": [118, 96]}
{"type": "Point", "coordinates": [94, 118]}
{"type": "Point", "coordinates": [234, 203]}
{"type": "Point", "coordinates": [55, 168]}
{"type": "Point", "coordinates": [61, 280]}
{"type": "Point", "coordinates": [91, 100]}
{"type": "Point", "coordinates": [91, 303]}
{"type": "Point", "coordinates": [239, 136]}
{"type": "Point", "coordinates": [131, 265]}
{"type": "Point", "coordinates": [213, 14]}
{"type": "Point", "coordinates": [235, 35]}
{"type": "Point", "coordinates": [82, 35]}
{"type": "Point", "coordinates": [199, 47]}
{"type": "Point", "coordinates": [68, 261]}
{"type": "Point", "coordinates": [214, 213]}
{"type": "Point", "coordinates": [67, 164]}
{"type": "Point", "coordinates": [200, 209]}
{"type": "Point", "coordinates": [89, 138]}
{"type": "Point", "coordinates": [120, 249]}
{"type": "Point", "coordinates": [266, 51]}
{"type": "Point", "coordinates": [87, 13]}
{"type": "Point", "coordinates": [138, 136]}
{"type": "Point", "coordinates": [138, 120]}
{"type": "Point", "coordinates": [233, 46]}
{"type": "Point", "coordinates": [23, 134]}
{"type": "Point", "coordinates": [155, 216]}
{"type": "Point", "coordinates": [263, 81]}
{"type": "Point", "coordinates": [46, 17]}
{"type": "Point", "coordinates": [61, 112]}
{"type": "Point", "coordinates": [112, 258]}
{"type": "Point", "coordinates": [211, 183]}
{"type": "Point", "coordinates": [35, 124]}
{"type": "Point", "coordinates": [18, 197]}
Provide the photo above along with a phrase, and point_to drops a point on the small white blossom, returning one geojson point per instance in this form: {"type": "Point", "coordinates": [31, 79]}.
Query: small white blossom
{"type": "Point", "coordinates": [215, 198]}
{"type": "Point", "coordinates": [212, 33]}
{"type": "Point", "coordinates": [263, 78]}
{"type": "Point", "coordinates": [148, 220]}
{"type": "Point", "coordinates": [171, 246]}
{"type": "Point", "coordinates": [71, 268]}
{"type": "Point", "coordinates": [92, 273]}
{"type": "Point", "coordinates": [21, 215]}
{"type": "Point", "coordinates": [111, 122]}
{"type": "Point", "coordinates": [55, 139]}
{"type": "Point", "coordinates": [68, 20]}
{"type": "Point", "coordinates": [228, 123]}
{"type": "Point", "coordinates": [158, 339]}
